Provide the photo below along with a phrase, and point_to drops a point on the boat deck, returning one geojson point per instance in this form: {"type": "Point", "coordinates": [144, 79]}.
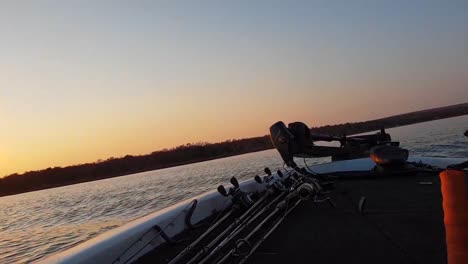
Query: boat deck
{"type": "Point", "coordinates": [402, 222]}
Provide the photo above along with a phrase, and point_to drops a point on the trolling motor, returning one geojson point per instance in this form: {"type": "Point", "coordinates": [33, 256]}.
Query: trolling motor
{"type": "Point", "coordinates": [296, 140]}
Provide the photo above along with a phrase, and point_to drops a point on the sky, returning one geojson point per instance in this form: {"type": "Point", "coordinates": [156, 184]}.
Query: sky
{"type": "Point", "coordinates": [88, 80]}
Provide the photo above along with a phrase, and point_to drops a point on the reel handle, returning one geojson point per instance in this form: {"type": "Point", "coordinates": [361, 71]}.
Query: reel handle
{"type": "Point", "coordinates": [234, 182]}
{"type": "Point", "coordinates": [258, 179]}
{"type": "Point", "coordinates": [222, 191]}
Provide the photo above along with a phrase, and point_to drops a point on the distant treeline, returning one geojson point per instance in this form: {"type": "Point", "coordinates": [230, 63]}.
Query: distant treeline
{"type": "Point", "coordinates": [394, 121]}
{"type": "Point", "coordinates": [112, 167]}
{"type": "Point", "coordinates": [190, 153]}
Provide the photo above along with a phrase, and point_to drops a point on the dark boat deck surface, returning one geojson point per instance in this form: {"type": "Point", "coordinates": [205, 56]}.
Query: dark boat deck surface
{"type": "Point", "coordinates": [402, 223]}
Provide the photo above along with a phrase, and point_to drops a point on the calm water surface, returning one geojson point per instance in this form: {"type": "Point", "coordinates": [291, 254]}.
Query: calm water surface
{"type": "Point", "coordinates": [34, 225]}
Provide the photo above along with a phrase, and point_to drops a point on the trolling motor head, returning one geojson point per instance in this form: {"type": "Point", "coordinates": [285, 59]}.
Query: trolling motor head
{"type": "Point", "coordinates": [292, 140]}
{"type": "Point", "coordinates": [283, 140]}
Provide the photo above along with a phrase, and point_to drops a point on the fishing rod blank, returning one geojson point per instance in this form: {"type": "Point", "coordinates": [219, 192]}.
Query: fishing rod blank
{"type": "Point", "coordinates": [234, 208]}
{"type": "Point", "coordinates": [281, 206]}
{"type": "Point", "coordinates": [272, 229]}
{"type": "Point", "coordinates": [239, 229]}
{"type": "Point", "coordinates": [236, 222]}
{"type": "Point", "coordinates": [198, 240]}
{"type": "Point", "coordinates": [304, 192]}
{"type": "Point", "coordinates": [303, 196]}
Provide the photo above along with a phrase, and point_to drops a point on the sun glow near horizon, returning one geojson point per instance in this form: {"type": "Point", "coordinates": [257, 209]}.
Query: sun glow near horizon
{"type": "Point", "coordinates": [86, 81]}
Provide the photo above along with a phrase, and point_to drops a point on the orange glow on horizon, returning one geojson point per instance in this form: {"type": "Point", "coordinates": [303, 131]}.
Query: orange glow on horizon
{"type": "Point", "coordinates": [85, 81]}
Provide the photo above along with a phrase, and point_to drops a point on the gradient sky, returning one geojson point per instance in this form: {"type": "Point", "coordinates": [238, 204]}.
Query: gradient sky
{"type": "Point", "coordinates": [87, 80]}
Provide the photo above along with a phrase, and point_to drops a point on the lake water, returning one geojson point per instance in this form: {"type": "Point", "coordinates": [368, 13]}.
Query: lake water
{"type": "Point", "coordinates": [36, 224]}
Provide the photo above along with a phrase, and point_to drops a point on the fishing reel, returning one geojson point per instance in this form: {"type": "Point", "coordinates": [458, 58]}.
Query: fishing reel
{"type": "Point", "coordinates": [245, 200]}
{"type": "Point", "coordinates": [306, 191]}
{"type": "Point", "coordinates": [306, 187]}
{"type": "Point", "coordinates": [271, 181]}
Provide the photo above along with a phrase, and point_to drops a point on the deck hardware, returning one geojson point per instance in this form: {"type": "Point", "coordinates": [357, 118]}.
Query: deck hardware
{"type": "Point", "coordinates": [361, 204]}
{"type": "Point", "coordinates": [425, 183]}
{"type": "Point", "coordinates": [328, 200]}
{"type": "Point", "coordinates": [188, 216]}
{"type": "Point", "coordinates": [163, 235]}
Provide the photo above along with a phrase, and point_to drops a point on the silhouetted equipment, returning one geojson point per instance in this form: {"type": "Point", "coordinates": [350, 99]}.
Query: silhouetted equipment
{"type": "Point", "coordinates": [296, 140]}
{"type": "Point", "coordinates": [384, 155]}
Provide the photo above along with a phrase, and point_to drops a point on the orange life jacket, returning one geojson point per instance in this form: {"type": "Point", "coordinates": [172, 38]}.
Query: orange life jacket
{"type": "Point", "coordinates": [454, 185]}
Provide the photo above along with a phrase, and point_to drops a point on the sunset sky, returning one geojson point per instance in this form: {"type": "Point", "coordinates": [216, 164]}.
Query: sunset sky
{"type": "Point", "coordinates": [87, 80]}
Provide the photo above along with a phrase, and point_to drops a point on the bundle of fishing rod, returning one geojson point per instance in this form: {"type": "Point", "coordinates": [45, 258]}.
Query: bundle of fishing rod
{"type": "Point", "coordinates": [235, 235]}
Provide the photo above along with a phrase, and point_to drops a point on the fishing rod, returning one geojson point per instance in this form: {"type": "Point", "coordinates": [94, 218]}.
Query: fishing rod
{"type": "Point", "coordinates": [240, 199]}
{"type": "Point", "coordinates": [204, 235]}
{"type": "Point", "coordinates": [269, 232]}
{"type": "Point", "coordinates": [237, 230]}
{"type": "Point", "coordinates": [245, 216]}
{"type": "Point", "coordinates": [235, 208]}
{"type": "Point", "coordinates": [160, 232]}
{"type": "Point", "coordinates": [248, 223]}
{"type": "Point", "coordinates": [273, 184]}
{"type": "Point", "coordinates": [304, 191]}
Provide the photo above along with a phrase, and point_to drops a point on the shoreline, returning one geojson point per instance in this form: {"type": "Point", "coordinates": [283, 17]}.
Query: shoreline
{"type": "Point", "coordinates": [183, 155]}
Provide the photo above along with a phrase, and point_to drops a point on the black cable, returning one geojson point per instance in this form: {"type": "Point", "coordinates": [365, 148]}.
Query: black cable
{"type": "Point", "coordinates": [307, 166]}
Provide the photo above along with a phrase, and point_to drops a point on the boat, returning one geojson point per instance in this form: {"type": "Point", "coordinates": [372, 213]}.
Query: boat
{"type": "Point", "coordinates": [374, 203]}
